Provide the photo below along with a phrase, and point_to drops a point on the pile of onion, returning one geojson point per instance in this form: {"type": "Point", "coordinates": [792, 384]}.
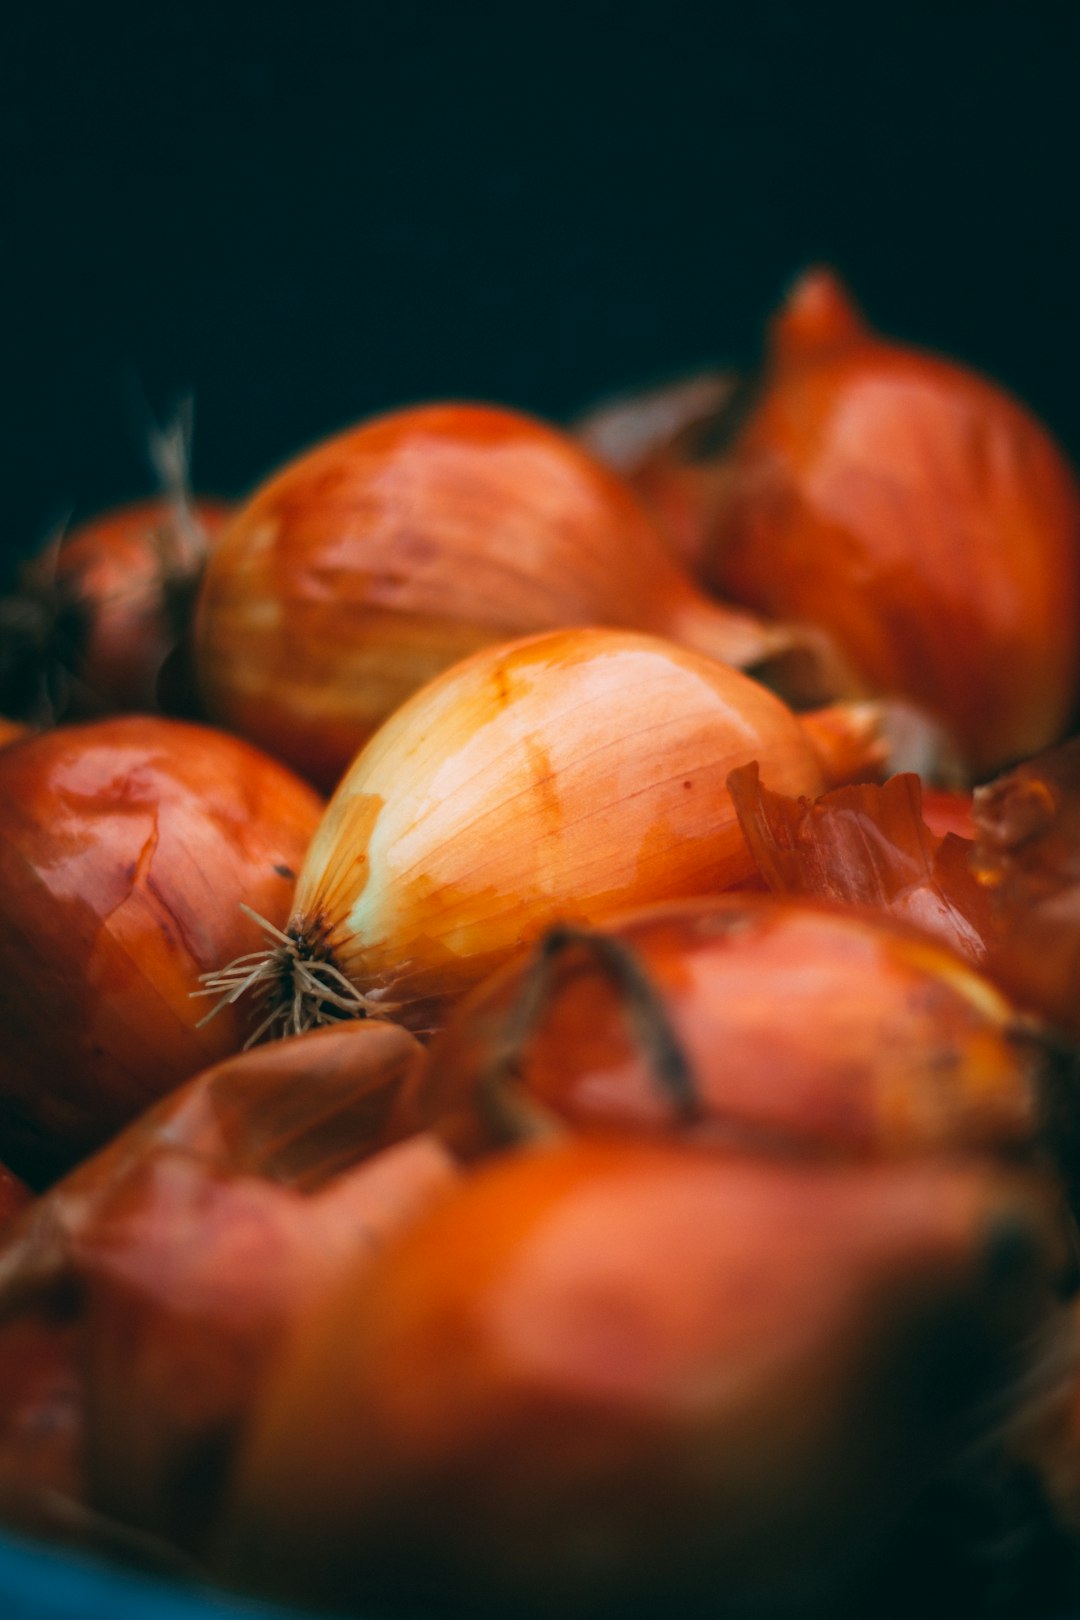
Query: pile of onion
{"type": "Point", "coordinates": [607, 1235]}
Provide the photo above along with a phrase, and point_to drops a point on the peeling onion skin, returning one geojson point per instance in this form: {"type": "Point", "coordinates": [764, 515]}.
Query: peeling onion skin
{"type": "Point", "coordinates": [608, 1375]}
{"type": "Point", "coordinates": [377, 559]}
{"type": "Point", "coordinates": [126, 848]}
{"type": "Point", "coordinates": [566, 777]}
{"type": "Point", "coordinates": [918, 515]}
{"type": "Point", "coordinates": [794, 1026]}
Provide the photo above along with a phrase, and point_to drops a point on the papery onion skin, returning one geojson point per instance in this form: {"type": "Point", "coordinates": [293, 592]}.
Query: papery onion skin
{"type": "Point", "coordinates": [920, 516]}
{"type": "Point", "coordinates": [869, 846]}
{"type": "Point", "coordinates": [793, 1027]}
{"type": "Point", "coordinates": [566, 776]}
{"type": "Point", "coordinates": [612, 1373]}
{"type": "Point", "coordinates": [126, 849]}
{"type": "Point", "coordinates": [393, 550]}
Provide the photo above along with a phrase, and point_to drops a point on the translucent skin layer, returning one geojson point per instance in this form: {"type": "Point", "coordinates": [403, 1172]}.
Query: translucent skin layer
{"type": "Point", "coordinates": [920, 516]}
{"type": "Point", "coordinates": [126, 848]}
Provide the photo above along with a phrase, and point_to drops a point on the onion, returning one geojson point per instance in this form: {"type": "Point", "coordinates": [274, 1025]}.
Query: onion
{"type": "Point", "coordinates": [99, 613]}
{"type": "Point", "coordinates": [140, 1296]}
{"type": "Point", "coordinates": [741, 1019]}
{"type": "Point", "coordinates": [611, 1378]}
{"type": "Point", "coordinates": [126, 847]}
{"type": "Point", "coordinates": [393, 550]}
{"type": "Point", "coordinates": [916, 514]}
{"type": "Point", "coordinates": [563, 777]}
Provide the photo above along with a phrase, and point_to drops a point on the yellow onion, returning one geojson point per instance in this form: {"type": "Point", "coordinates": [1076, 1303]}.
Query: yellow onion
{"type": "Point", "coordinates": [566, 777]}
{"type": "Point", "coordinates": [395, 549]}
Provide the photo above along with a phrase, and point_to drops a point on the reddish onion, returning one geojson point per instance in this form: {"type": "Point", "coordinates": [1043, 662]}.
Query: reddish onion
{"type": "Point", "coordinates": [393, 550]}
{"type": "Point", "coordinates": [566, 776]}
{"type": "Point", "coordinates": [919, 516]}
{"type": "Point", "coordinates": [741, 1019]}
{"type": "Point", "coordinates": [101, 610]}
{"type": "Point", "coordinates": [126, 847]}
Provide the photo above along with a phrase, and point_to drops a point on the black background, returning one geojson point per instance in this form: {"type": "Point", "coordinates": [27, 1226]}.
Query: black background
{"type": "Point", "coordinates": [301, 214]}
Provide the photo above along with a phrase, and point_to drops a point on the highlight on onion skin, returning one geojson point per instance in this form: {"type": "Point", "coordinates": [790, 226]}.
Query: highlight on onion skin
{"type": "Point", "coordinates": [744, 1020]}
{"type": "Point", "coordinates": [382, 556]}
{"type": "Point", "coordinates": [126, 849]}
{"type": "Point", "coordinates": [566, 776]}
{"type": "Point", "coordinates": [611, 1372]}
{"type": "Point", "coordinates": [917, 514]}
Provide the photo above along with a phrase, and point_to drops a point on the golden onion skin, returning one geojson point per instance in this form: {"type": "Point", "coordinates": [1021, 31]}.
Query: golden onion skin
{"type": "Point", "coordinates": [567, 777]}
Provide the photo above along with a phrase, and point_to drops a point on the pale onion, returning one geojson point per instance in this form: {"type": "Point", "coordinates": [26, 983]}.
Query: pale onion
{"type": "Point", "coordinates": [393, 550]}
{"type": "Point", "coordinates": [566, 777]}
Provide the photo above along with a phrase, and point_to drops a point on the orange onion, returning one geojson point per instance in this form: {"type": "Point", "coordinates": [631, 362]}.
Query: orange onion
{"type": "Point", "coordinates": [918, 515]}
{"type": "Point", "coordinates": [619, 1377]}
{"type": "Point", "coordinates": [565, 776]}
{"type": "Point", "coordinates": [741, 1019]}
{"type": "Point", "coordinates": [126, 848]}
{"type": "Point", "coordinates": [391, 551]}
{"type": "Point", "coordinates": [99, 612]}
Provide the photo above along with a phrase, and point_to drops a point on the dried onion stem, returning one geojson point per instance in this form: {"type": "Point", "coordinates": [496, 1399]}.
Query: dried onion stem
{"type": "Point", "coordinates": [303, 989]}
